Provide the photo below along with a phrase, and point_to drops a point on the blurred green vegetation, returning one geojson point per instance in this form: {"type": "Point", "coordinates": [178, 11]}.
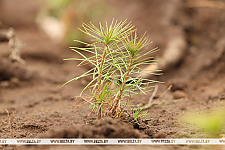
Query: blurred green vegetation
{"type": "Point", "coordinates": [72, 13]}
{"type": "Point", "coordinates": [212, 123]}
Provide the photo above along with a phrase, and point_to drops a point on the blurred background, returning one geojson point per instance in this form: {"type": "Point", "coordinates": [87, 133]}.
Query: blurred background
{"type": "Point", "coordinates": [179, 28]}
{"type": "Point", "coordinates": [189, 33]}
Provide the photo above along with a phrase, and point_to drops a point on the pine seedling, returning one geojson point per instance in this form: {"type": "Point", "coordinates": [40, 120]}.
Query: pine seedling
{"type": "Point", "coordinates": [137, 113]}
{"type": "Point", "coordinates": [117, 54]}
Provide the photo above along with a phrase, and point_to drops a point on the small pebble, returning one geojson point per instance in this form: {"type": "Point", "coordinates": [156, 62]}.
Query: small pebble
{"type": "Point", "coordinates": [178, 94]}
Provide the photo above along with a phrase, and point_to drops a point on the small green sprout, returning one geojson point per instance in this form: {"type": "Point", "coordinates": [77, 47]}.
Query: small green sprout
{"type": "Point", "coordinates": [117, 54]}
{"type": "Point", "coordinates": [137, 113]}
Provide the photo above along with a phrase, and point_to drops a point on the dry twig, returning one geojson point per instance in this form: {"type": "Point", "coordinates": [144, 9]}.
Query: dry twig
{"type": "Point", "coordinates": [150, 103]}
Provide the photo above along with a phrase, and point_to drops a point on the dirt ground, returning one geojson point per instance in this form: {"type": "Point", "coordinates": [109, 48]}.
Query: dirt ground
{"type": "Point", "coordinates": [39, 106]}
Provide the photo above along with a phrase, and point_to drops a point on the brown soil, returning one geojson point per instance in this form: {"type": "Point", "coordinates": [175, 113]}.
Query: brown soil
{"type": "Point", "coordinates": [107, 128]}
{"type": "Point", "coordinates": [39, 106]}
